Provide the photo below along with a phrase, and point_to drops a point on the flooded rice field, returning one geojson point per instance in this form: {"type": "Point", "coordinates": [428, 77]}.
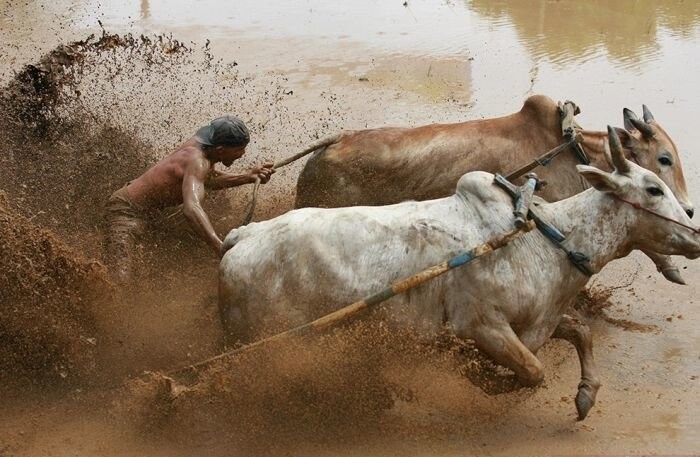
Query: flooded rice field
{"type": "Point", "coordinates": [82, 115]}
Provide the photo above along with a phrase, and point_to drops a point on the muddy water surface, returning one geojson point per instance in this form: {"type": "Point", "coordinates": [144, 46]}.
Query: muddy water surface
{"type": "Point", "coordinates": [314, 67]}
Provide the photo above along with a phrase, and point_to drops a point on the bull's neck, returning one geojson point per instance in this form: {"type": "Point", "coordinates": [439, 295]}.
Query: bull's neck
{"type": "Point", "coordinates": [595, 224]}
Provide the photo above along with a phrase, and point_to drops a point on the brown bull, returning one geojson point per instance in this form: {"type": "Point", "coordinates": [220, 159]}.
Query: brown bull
{"type": "Point", "coordinates": [389, 165]}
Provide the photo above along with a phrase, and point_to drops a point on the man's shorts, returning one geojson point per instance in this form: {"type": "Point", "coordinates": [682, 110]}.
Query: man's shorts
{"type": "Point", "coordinates": [126, 220]}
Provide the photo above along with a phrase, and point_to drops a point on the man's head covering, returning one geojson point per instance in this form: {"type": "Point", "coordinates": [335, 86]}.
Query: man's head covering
{"type": "Point", "coordinates": [224, 131]}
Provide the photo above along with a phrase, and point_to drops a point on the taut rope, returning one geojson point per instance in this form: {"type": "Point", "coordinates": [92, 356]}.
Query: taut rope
{"type": "Point", "coordinates": [325, 141]}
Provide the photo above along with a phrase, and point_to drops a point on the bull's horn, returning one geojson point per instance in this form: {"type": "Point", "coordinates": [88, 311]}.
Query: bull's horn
{"type": "Point", "coordinates": [648, 117]}
{"type": "Point", "coordinates": [628, 114]}
{"type": "Point", "coordinates": [643, 127]}
{"type": "Point", "coordinates": [616, 154]}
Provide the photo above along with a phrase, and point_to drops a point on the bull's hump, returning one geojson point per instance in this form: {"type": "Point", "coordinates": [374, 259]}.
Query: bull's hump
{"type": "Point", "coordinates": [541, 110]}
{"type": "Point", "coordinates": [539, 104]}
{"type": "Point", "coordinates": [477, 183]}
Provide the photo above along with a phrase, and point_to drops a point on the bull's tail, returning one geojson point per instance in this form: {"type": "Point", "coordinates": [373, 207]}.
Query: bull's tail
{"type": "Point", "coordinates": [230, 241]}
{"type": "Point", "coordinates": [318, 144]}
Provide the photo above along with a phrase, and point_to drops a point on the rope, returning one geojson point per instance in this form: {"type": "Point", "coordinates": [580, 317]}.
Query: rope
{"type": "Point", "coordinates": [638, 206]}
{"type": "Point", "coordinates": [325, 141]}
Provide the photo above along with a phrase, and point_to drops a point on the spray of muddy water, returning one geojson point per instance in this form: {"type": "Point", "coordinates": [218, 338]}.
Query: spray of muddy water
{"type": "Point", "coordinates": [47, 297]}
{"type": "Point", "coordinates": [335, 389]}
{"type": "Point", "coordinates": [90, 116]}
{"type": "Point", "coordinates": [78, 124]}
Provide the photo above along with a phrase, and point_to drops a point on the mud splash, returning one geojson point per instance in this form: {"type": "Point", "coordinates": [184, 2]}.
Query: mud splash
{"type": "Point", "coordinates": [60, 164]}
{"type": "Point", "coordinates": [331, 390]}
{"type": "Point", "coordinates": [74, 135]}
{"type": "Point", "coordinates": [594, 301]}
{"type": "Point", "coordinates": [61, 161]}
{"type": "Point", "coordinates": [34, 98]}
{"type": "Point", "coordinates": [48, 303]}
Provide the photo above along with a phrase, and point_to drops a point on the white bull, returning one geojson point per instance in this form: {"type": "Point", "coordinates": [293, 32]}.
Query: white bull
{"type": "Point", "coordinates": [306, 263]}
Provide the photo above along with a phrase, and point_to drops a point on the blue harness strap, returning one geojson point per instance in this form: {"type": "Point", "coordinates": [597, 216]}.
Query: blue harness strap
{"type": "Point", "coordinates": [578, 259]}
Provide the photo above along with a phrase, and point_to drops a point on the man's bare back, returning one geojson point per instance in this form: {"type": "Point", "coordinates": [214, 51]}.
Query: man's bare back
{"type": "Point", "coordinates": [183, 177]}
{"type": "Point", "coordinates": [161, 185]}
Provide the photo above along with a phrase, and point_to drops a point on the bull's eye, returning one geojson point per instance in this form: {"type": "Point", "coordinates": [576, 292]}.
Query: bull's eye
{"type": "Point", "coordinates": [665, 161]}
{"type": "Point", "coordinates": [655, 191]}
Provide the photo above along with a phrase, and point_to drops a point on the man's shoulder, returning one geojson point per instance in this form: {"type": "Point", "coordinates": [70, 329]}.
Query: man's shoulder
{"type": "Point", "coordinates": [193, 159]}
{"type": "Point", "coordinates": [190, 148]}
{"type": "Point", "coordinates": [185, 157]}
{"type": "Point", "coordinates": [187, 154]}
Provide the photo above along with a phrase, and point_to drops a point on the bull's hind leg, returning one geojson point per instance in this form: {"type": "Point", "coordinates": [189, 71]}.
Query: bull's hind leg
{"type": "Point", "coordinates": [504, 346]}
{"type": "Point", "coordinates": [234, 318]}
{"type": "Point", "coordinates": [578, 333]}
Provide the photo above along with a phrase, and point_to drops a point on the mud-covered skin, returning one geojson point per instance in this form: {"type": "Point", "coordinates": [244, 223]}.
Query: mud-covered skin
{"type": "Point", "coordinates": [317, 260]}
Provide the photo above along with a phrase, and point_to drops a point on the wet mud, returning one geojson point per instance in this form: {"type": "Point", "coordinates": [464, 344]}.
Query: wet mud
{"type": "Point", "coordinates": [49, 295]}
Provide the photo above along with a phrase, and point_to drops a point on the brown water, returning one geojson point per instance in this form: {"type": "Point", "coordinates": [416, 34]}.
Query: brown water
{"type": "Point", "coordinates": [315, 67]}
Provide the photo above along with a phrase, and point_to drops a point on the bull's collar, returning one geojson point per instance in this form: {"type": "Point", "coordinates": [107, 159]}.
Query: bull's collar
{"type": "Point", "coordinates": [553, 234]}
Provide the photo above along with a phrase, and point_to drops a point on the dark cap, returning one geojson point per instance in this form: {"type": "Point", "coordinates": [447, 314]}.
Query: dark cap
{"type": "Point", "coordinates": [224, 131]}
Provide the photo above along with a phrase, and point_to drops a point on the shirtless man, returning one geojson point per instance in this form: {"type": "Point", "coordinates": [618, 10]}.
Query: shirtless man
{"type": "Point", "coordinates": [182, 177]}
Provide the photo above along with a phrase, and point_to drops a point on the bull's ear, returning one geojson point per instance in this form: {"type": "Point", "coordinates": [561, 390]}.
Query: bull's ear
{"type": "Point", "coordinates": [601, 180]}
{"type": "Point", "coordinates": [628, 141]}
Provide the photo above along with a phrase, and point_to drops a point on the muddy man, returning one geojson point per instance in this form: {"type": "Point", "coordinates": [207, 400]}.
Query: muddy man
{"type": "Point", "coordinates": [183, 177]}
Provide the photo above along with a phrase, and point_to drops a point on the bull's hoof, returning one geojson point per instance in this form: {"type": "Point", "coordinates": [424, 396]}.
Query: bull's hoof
{"type": "Point", "coordinates": [673, 275]}
{"type": "Point", "coordinates": [585, 398]}
{"type": "Point", "coordinates": [584, 403]}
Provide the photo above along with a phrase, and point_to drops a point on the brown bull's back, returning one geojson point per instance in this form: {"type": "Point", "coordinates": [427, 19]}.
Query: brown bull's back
{"type": "Point", "coordinates": [389, 165]}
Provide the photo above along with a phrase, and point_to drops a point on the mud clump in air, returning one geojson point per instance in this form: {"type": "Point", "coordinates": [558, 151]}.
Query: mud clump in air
{"type": "Point", "coordinates": [595, 301]}
{"type": "Point", "coordinates": [64, 157]}
{"type": "Point", "coordinates": [37, 94]}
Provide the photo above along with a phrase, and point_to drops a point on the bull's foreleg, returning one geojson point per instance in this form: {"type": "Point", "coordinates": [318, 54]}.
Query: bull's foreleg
{"type": "Point", "coordinates": [665, 265]}
{"type": "Point", "coordinates": [578, 333]}
{"type": "Point", "coordinates": [503, 345]}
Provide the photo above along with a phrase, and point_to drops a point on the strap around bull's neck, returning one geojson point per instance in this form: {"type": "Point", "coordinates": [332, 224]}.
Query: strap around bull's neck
{"type": "Point", "coordinates": [553, 234]}
{"type": "Point", "coordinates": [578, 259]}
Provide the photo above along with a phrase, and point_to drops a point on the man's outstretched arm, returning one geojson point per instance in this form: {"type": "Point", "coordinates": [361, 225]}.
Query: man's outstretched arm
{"type": "Point", "coordinates": [193, 192]}
{"type": "Point", "coordinates": [218, 180]}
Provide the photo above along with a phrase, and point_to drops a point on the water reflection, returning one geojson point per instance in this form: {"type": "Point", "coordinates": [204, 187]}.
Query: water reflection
{"type": "Point", "coordinates": [571, 30]}
{"type": "Point", "coordinates": [145, 9]}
